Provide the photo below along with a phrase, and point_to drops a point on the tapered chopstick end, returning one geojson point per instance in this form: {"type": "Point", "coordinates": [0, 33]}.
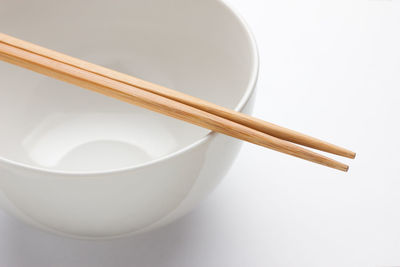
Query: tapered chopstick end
{"type": "Point", "coordinates": [346, 168]}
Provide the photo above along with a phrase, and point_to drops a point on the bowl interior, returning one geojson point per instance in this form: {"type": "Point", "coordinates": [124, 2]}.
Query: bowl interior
{"type": "Point", "coordinates": [198, 47]}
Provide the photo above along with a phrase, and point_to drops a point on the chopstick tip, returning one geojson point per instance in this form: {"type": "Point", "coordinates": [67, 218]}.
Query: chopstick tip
{"type": "Point", "coordinates": [348, 154]}
{"type": "Point", "coordinates": [341, 167]}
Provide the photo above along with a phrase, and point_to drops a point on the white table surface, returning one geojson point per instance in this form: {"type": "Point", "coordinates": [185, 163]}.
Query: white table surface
{"type": "Point", "coordinates": [328, 68]}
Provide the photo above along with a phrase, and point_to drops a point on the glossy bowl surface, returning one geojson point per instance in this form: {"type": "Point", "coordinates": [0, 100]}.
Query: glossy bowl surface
{"type": "Point", "coordinates": [80, 164]}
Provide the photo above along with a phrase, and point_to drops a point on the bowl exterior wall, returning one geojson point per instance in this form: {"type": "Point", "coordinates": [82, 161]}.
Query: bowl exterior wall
{"type": "Point", "coordinates": [120, 203]}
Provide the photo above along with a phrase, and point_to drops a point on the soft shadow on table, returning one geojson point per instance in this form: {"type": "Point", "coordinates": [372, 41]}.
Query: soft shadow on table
{"type": "Point", "coordinates": [23, 245]}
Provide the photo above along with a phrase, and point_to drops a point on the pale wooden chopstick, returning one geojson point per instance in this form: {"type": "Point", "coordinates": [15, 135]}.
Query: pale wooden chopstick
{"type": "Point", "coordinates": [78, 74]}
{"type": "Point", "coordinates": [241, 118]}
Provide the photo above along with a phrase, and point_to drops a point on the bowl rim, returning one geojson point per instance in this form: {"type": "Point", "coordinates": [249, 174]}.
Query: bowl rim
{"type": "Point", "coordinates": [243, 100]}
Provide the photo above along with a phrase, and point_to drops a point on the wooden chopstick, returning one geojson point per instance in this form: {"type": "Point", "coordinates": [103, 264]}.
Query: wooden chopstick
{"type": "Point", "coordinates": [241, 118]}
{"type": "Point", "coordinates": [97, 78]}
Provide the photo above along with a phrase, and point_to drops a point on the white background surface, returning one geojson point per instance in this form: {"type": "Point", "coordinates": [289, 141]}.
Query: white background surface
{"type": "Point", "coordinates": [328, 68]}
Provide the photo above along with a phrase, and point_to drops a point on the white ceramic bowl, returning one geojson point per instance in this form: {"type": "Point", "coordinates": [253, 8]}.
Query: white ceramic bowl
{"type": "Point", "coordinates": [80, 164]}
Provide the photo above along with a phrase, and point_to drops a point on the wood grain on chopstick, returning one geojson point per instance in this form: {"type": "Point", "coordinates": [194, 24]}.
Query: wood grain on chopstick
{"type": "Point", "coordinates": [241, 118]}
{"type": "Point", "coordinates": [114, 84]}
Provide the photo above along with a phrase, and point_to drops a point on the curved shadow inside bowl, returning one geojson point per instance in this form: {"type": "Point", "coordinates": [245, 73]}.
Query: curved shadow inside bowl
{"type": "Point", "coordinates": [52, 122]}
{"type": "Point", "coordinates": [84, 165]}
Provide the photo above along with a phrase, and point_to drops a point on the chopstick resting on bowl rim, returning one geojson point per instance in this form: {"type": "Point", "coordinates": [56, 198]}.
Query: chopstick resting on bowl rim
{"type": "Point", "coordinates": [167, 101]}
